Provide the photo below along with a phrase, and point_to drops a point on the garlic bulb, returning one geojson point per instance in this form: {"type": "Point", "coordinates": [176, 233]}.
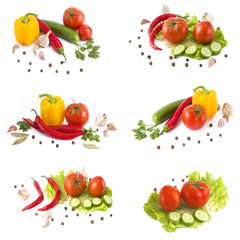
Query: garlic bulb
{"type": "Point", "coordinates": [43, 40]}
{"type": "Point", "coordinates": [207, 17]}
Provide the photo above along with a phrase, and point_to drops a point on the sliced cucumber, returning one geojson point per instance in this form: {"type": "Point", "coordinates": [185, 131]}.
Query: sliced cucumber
{"type": "Point", "coordinates": [87, 204]}
{"type": "Point", "coordinates": [191, 50]}
{"type": "Point", "coordinates": [178, 50]}
{"type": "Point", "coordinates": [206, 52]}
{"type": "Point", "coordinates": [96, 201]}
{"type": "Point", "coordinates": [187, 219]}
{"type": "Point", "coordinates": [202, 216]}
{"type": "Point", "coordinates": [75, 202]}
{"type": "Point", "coordinates": [107, 200]}
{"type": "Point", "coordinates": [174, 218]}
{"type": "Point", "coordinates": [216, 48]}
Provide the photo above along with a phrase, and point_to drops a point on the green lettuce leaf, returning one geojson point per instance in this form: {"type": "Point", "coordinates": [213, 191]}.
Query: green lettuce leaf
{"type": "Point", "coordinates": [59, 179]}
{"type": "Point", "coordinates": [218, 191]}
{"type": "Point", "coordinates": [217, 200]}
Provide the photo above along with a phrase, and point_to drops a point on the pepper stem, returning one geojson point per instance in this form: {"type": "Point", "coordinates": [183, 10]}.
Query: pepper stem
{"type": "Point", "coordinates": [25, 19]}
{"type": "Point", "coordinates": [51, 100]}
{"type": "Point", "coordinates": [33, 180]}
{"type": "Point", "coordinates": [34, 111]}
{"type": "Point", "coordinates": [45, 177]}
{"type": "Point", "coordinates": [205, 91]}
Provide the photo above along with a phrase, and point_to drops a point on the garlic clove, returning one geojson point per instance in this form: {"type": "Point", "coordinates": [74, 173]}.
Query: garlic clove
{"type": "Point", "coordinates": [111, 127]}
{"type": "Point", "coordinates": [101, 120]}
{"type": "Point", "coordinates": [207, 17]}
{"type": "Point", "coordinates": [106, 133]}
{"type": "Point", "coordinates": [12, 128]}
{"type": "Point", "coordinates": [221, 123]}
{"type": "Point", "coordinates": [47, 215]}
{"type": "Point", "coordinates": [36, 47]}
{"type": "Point", "coordinates": [43, 40]}
{"type": "Point", "coordinates": [226, 117]}
{"type": "Point", "coordinates": [84, 173]}
{"type": "Point", "coordinates": [164, 9]}
{"type": "Point", "coordinates": [144, 21]}
{"type": "Point", "coordinates": [46, 223]}
{"type": "Point", "coordinates": [15, 47]}
{"type": "Point", "coordinates": [42, 55]}
{"type": "Point", "coordinates": [227, 109]}
{"type": "Point", "coordinates": [23, 194]}
{"type": "Point", "coordinates": [211, 61]}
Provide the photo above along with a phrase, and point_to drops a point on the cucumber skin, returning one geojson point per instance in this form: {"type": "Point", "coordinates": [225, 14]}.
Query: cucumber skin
{"type": "Point", "coordinates": [200, 220]}
{"type": "Point", "coordinates": [166, 111]}
{"type": "Point", "coordinates": [63, 31]}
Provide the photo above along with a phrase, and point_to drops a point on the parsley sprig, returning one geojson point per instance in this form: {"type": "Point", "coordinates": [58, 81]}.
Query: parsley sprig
{"type": "Point", "coordinates": [90, 135]}
{"type": "Point", "coordinates": [143, 129]}
{"type": "Point", "coordinates": [89, 48]}
{"type": "Point", "coordinates": [23, 126]}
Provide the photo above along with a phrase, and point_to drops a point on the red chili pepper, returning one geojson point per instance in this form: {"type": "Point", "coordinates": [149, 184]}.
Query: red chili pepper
{"type": "Point", "coordinates": [159, 19]}
{"type": "Point", "coordinates": [38, 200]}
{"type": "Point", "coordinates": [53, 133]}
{"type": "Point", "coordinates": [171, 123]}
{"type": "Point", "coordinates": [65, 128]}
{"type": "Point", "coordinates": [55, 42]}
{"type": "Point", "coordinates": [153, 34]}
{"type": "Point", "coordinates": [56, 197]}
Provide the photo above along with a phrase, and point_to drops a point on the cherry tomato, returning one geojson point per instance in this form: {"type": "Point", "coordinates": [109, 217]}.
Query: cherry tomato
{"type": "Point", "coordinates": [175, 29]}
{"type": "Point", "coordinates": [195, 193]}
{"type": "Point", "coordinates": [77, 113]}
{"type": "Point", "coordinates": [169, 198]}
{"type": "Point", "coordinates": [194, 116]}
{"type": "Point", "coordinates": [97, 186]}
{"type": "Point", "coordinates": [74, 184]}
{"type": "Point", "coordinates": [203, 32]}
{"type": "Point", "coordinates": [85, 32]}
{"type": "Point", "coordinates": [73, 18]}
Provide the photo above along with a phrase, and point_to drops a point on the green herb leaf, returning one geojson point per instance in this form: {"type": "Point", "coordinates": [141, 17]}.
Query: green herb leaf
{"type": "Point", "coordinates": [90, 135]}
{"type": "Point", "coordinates": [23, 126]}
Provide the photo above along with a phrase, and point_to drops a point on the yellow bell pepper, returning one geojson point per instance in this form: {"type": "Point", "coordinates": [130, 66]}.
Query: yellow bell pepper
{"type": "Point", "coordinates": [52, 110]}
{"type": "Point", "coordinates": [26, 29]}
{"type": "Point", "coordinates": [207, 99]}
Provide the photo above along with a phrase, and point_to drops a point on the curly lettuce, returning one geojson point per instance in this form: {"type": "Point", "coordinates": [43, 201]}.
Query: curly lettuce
{"type": "Point", "coordinates": [217, 200]}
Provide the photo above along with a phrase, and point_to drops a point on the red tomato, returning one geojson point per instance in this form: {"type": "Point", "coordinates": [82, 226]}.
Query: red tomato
{"type": "Point", "coordinates": [97, 186]}
{"type": "Point", "coordinates": [169, 198]}
{"type": "Point", "coordinates": [203, 32]}
{"type": "Point", "coordinates": [194, 116]}
{"type": "Point", "coordinates": [77, 113]}
{"type": "Point", "coordinates": [73, 18]}
{"type": "Point", "coordinates": [195, 193]}
{"type": "Point", "coordinates": [74, 184]}
{"type": "Point", "coordinates": [175, 29]}
{"type": "Point", "coordinates": [85, 32]}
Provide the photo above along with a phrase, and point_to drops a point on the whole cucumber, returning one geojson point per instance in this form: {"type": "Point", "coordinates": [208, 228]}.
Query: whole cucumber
{"type": "Point", "coordinates": [63, 31]}
{"type": "Point", "coordinates": [166, 111]}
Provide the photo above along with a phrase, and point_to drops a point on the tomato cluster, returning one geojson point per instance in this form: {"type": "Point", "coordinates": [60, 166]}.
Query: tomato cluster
{"type": "Point", "coordinates": [75, 184]}
{"type": "Point", "coordinates": [194, 193]}
{"type": "Point", "coordinates": [74, 18]}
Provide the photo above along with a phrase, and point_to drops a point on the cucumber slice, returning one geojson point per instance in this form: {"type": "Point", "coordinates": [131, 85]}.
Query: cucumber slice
{"type": "Point", "coordinates": [206, 53]}
{"type": "Point", "coordinates": [191, 50]}
{"type": "Point", "coordinates": [178, 50]}
{"type": "Point", "coordinates": [96, 201]}
{"type": "Point", "coordinates": [174, 218]}
{"type": "Point", "coordinates": [75, 202]}
{"type": "Point", "coordinates": [202, 216]}
{"type": "Point", "coordinates": [187, 219]}
{"type": "Point", "coordinates": [216, 48]}
{"type": "Point", "coordinates": [107, 200]}
{"type": "Point", "coordinates": [87, 204]}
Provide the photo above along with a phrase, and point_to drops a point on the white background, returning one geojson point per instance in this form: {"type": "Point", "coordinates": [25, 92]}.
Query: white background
{"type": "Point", "coordinates": [122, 84]}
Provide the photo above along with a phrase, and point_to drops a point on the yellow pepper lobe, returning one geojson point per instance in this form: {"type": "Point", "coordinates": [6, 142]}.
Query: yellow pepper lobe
{"type": "Point", "coordinates": [207, 99]}
{"type": "Point", "coordinates": [26, 30]}
{"type": "Point", "coordinates": [52, 110]}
